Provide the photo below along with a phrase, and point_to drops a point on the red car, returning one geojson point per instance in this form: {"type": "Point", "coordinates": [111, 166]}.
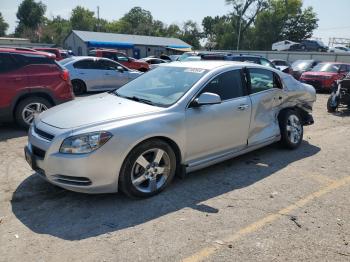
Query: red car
{"type": "Point", "coordinates": [54, 51]}
{"type": "Point", "coordinates": [324, 75]}
{"type": "Point", "coordinates": [120, 58]}
{"type": "Point", "coordinates": [30, 82]}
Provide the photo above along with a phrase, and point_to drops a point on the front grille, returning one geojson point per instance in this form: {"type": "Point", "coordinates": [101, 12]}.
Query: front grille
{"type": "Point", "coordinates": [316, 84]}
{"type": "Point", "coordinates": [38, 152]}
{"type": "Point", "coordinates": [43, 134]}
{"type": "Point", "coordinates": [72, 180]}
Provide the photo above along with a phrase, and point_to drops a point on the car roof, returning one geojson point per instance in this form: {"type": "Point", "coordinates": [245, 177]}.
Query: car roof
{"type": "Point", "coordinates": [210, 65]}
{"type": "Point", "coordinates": [19, 50]}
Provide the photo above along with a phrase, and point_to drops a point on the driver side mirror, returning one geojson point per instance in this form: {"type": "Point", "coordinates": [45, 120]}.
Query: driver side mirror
{"type": "Point", "coordinates": [206, 99]}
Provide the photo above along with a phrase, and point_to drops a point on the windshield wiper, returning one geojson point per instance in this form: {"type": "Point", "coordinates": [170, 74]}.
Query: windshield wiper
{"type": "Point", "coordinates": [135, 98]}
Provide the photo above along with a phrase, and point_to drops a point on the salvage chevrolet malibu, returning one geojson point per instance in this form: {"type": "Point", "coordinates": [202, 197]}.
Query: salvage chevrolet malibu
{"type": "Point", "coordinates": [177, 118]}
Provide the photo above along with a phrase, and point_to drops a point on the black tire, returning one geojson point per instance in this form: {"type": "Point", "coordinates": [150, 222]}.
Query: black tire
{"type": "Point", "coordinates": [331, 108]}
{"type": "Point", "coordinates": [19, 110]}
{"type": "Point", "coordinates": [284, 122]}
{"type": "Point", "coordinates": [79, 87]}
{"type": "Point", "coordinates": [125, 178]}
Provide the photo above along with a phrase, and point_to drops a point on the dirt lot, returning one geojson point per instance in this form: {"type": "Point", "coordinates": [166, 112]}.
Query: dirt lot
{"type": "Point", "coordinates": [269, 205]}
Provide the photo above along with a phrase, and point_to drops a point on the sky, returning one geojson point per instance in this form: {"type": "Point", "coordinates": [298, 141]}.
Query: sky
{"type": "Point", "coordinates": [333, 15]}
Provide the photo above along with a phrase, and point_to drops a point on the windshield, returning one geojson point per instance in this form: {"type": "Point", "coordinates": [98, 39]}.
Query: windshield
{"type": "Point", "coordinates": [185, 55]}
{"type": "Point", "coordinates": [162, 86]}
{"type": "Point", "coordinates": [66, 61]}
{"type": "Point", "coordinates": [302, 64]}
{"type": "Point", "coordinates": [331, 68]}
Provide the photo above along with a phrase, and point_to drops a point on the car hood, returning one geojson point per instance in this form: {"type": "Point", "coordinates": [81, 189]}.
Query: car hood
{"type": "Point", "coordinates": [94, 109]}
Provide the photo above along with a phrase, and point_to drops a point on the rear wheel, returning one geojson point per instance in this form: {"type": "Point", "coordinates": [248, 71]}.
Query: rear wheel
{"type": "Point", "coordinates": [148, 169]}
{"type": "Point", "coordinates": [79, 87]}
{"type": "Point", "coordinates": [291, 129]}
{"type": "Point", "coordinates": [28, 108]}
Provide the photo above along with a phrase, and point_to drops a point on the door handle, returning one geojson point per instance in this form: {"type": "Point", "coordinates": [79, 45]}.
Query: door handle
{"type": "Point", "coordinates": [243, 107]}
{"type": "Point", "coordinates": [18, 78]}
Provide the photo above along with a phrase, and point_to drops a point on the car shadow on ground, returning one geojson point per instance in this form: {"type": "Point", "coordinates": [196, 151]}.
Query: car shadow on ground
{"type": "Point", "coordinates": [342, 111]}
{"type": "Point", "coordinates": [46, 209]}
{"type": "Point", "coordinates": [10, 130]}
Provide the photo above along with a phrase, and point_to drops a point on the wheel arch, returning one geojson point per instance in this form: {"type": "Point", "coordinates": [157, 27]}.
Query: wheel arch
{"type": "Point", "coordinates": [39, 93]}
{"type": "Point", "coordinates": [304, 114]}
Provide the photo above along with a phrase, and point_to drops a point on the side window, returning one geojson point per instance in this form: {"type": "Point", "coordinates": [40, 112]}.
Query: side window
{"type": "Point", "coordinates": [261, 80]}
{"type": "Point", "coordinates": [85, 64]}
{"type": "Point", "coordinates": [266, 62]}
{"type": "Point", "coordinates": [122, 58]}
{"type": "Point", "coordinates": [227, 85]}
{"type": "Point", "coordinates": [7, 63]}
{"type": "Point", "coordinates": [107, 65]}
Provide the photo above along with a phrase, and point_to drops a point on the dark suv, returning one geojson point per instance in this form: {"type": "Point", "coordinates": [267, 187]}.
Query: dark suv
{"type": "Point", "coordinates": [30, 82]}
{"type": "Point", "coordinates": [313, 45]}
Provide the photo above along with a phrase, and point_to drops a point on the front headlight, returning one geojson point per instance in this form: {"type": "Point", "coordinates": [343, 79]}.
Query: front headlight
{"type": "Point", "coordinates": [86, 143]}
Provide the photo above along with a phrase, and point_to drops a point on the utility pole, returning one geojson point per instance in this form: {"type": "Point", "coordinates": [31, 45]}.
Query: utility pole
{"type": "Point", "coordinates": [98, 19]}
{"type": "Point", "coordinates": [240, 26]}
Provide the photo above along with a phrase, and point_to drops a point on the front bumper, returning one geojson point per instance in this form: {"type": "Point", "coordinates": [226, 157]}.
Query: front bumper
{"type": "Point", "coordinates": [92, 173]}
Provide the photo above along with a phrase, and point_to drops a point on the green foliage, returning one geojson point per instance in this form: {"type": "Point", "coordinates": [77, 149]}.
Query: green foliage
{"type": "Point", "coordinates": [191, 34]}
{"type": "Point", "coordinates": [83, 19]}
{"type": "Point", "coordinates": [55, 30]}
{"type": "Point", "coordinates": [30, 16]}
{"type": "Point", "coordinates": [3, 26]}
{"type": "Point", "coordinates": [284, 19]}
{"type": "Point", "coordinates": [258, 22]}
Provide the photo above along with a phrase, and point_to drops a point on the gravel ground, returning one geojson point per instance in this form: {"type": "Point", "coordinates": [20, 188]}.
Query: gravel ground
{"type": "Point", "coordinates": [268, 205]}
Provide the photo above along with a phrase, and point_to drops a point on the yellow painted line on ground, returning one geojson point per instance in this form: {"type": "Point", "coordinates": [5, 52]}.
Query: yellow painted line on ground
{"type": "Point", "coordinates": [210, 250]}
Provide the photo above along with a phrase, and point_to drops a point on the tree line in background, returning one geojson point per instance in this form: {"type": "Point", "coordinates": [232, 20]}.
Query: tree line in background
{"type": "Point", "coordinates": [251, 24]}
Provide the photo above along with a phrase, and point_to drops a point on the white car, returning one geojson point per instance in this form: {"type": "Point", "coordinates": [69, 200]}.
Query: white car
{"type": "Point", "coordinates": [97, 74]}
{"type": "Point", "coordinates": [154, 62]}
{"type": "Point", "coordinates": [282, 45]}
{"type": "Point", "coordinates": [339, 49]}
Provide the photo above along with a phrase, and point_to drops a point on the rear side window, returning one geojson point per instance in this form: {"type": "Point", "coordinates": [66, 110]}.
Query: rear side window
{"type": "Point", "coordinates": [7, 63]}
{"type": "Point", "coordinates": [228, 85]}
{"type": "Point", "coordinates": [31, 59]}
{"type": "Point", "coordinates": [85, 64]}
{"type": "Point", "coordinates": [261, 80]}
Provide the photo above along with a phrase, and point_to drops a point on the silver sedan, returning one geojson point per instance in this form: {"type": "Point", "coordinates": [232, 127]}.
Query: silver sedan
{"type": "Point", "coordinates": [177, 118]}
{"type": "Point", "coordinates": [97, 74]}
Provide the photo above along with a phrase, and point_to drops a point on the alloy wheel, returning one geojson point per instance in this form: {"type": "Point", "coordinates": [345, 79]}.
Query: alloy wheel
{"type": "Point", "coordinates": [151, 170]}
{"type": "Point", "coordinates": [294, 129]}
{"type": "Point", "coordinates": [31, 110]}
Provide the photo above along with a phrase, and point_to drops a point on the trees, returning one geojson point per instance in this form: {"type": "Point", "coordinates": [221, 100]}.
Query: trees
{"type": "Point", "coordinates": [191, 34]}
{"type": "Point", "coordinates": [284, 19]}
{"type": "Point", "coordinates": [3, 26]}
{"type": "Point", "coordinates": [83, 19]}
{"type": "Point", "coordinates": [244, 14]}
{"type": "Point", "coordinates": [30, 16]}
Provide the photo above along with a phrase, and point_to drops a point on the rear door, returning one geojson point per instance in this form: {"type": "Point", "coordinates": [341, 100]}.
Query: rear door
{"type": "Point", "coordinates": [220, 128]}
{"type": "Point", "coordinates": [12, 78]}
{"type": "Point", "coordinates": [88, 71]}
{"type": "Point", "coordinates": [267, 95]}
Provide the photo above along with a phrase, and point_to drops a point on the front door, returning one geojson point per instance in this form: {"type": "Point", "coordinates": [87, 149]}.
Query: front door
{"type": "Point", "coordinates": [215, 129]}
{"type": "Point", "coordinates": [112, 77]}
{"type": "Point", "coordinates": [266, 94]}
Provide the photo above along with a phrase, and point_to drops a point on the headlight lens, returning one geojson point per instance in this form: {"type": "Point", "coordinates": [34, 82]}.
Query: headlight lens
{"type": "Point", "coordinates": [86, 143]}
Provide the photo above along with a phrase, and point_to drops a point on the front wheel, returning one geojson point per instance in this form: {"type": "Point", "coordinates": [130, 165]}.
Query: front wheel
{"type": "Point", "coordinates": [292, 130]}
{"type": "Point", "coordinates": [332, 103]}
{"type": "Point", "coordinates": [28, 108]}
{"type": "Point", "coordinates": [148, 169]}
